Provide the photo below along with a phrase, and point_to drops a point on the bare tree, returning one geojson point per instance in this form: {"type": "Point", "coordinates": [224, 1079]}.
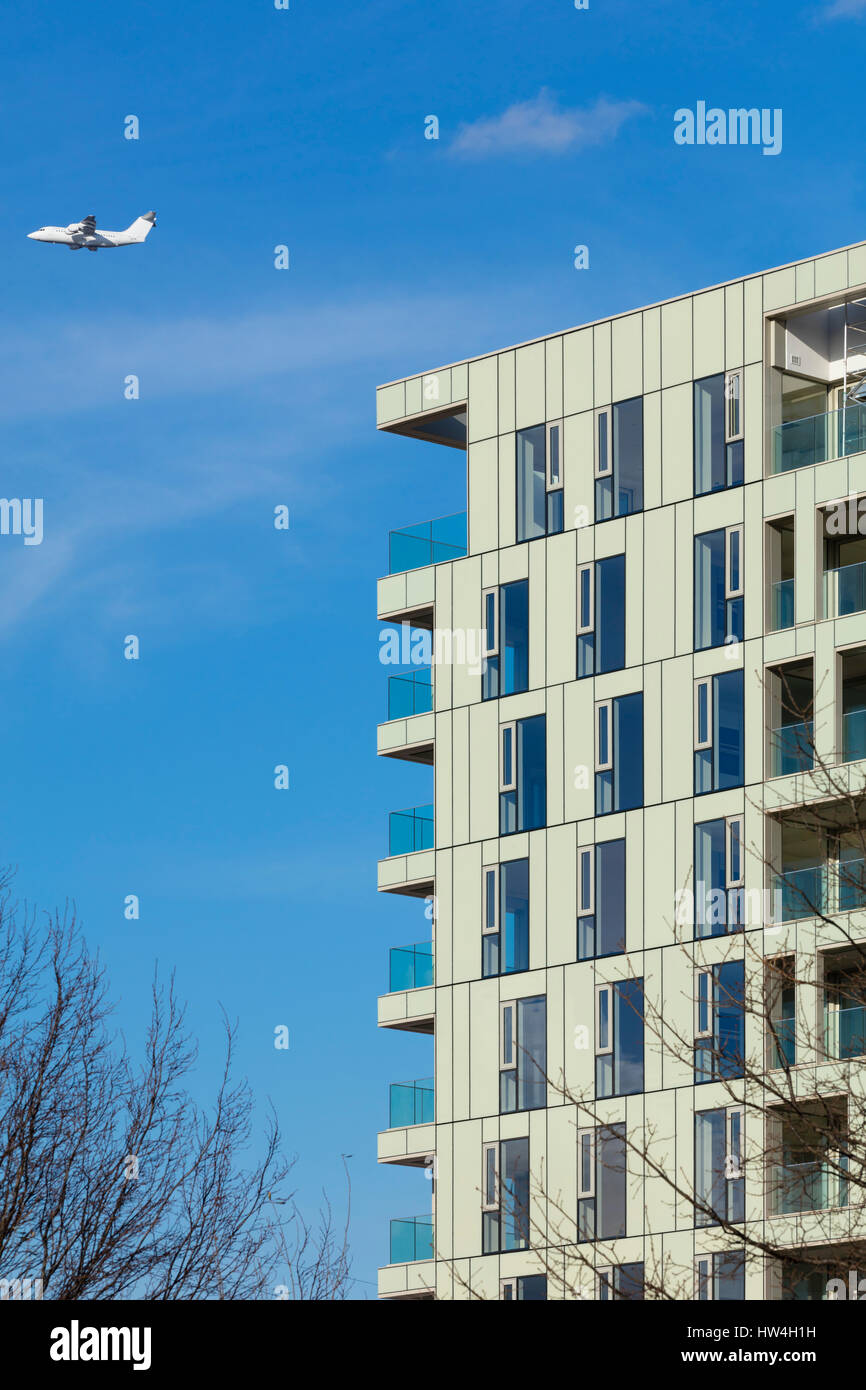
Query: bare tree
{"type": "Point", "coordinates": [114, 1183]}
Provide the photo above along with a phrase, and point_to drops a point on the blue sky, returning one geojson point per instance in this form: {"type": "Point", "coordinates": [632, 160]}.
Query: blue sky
{"type": "Point", "coordinates": [306, 128]}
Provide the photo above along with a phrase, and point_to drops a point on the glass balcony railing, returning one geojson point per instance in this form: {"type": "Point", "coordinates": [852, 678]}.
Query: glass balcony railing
{"type": "Point", "coordinates": [834, 435]}
{"type": "Point", "coordinates": [844, 1033]}
{"type": "Point", "coordinates": [853, 735]}
{"type": "Point", "coordinates": [410, 693]}
{"type": "Point", "coordinates": [411, 967]}
{"type": "Point", "coordinates": [411, 1239]}
{"type": "Point", "coordinates": [411, 1103]}
{"type": "Point", "coordinates": [803, 892]}
{"type": "Point", "coordinates": [851, 876]}
{"type": "Point", "coordinates": [411, 830]}
{"type": "Point", "coordinates": [791, 749]}
{"type": "Point", "coordinates": [782, 605]}
{"type": "Point", "coordinates": [845, 590]}
{"type": "Point", "coordinates": [427, 543]}
{"type": "Point", "coordinates": [784, 1042]}
{"type": "Point", "coordinates": [811, 1186]}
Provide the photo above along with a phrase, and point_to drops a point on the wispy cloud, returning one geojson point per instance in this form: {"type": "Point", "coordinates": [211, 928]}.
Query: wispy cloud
{"type": "Point", "coordinates": [542, 126]}
{"type": "Point", "coordinates": [845, 9]}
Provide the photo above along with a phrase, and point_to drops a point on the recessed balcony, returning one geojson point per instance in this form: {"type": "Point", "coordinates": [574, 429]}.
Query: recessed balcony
{"type": "Point", "coordinates": [819, 438]}
{"type": "Point", "coordinates": [427, 543]}
{"type": "Point", "coordinates": [808, 1186]}
{"type": "Point", "coordinates": [844, 1032]}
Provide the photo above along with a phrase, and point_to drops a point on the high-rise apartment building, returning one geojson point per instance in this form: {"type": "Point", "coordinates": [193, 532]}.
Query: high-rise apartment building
{"type": "Point", "coordinates": [644, 864]}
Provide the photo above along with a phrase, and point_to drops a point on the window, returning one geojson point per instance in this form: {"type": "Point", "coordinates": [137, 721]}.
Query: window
{"type": "Point", "coordinates": [780, 1002]}
{"type": "Point", "coordinates": [523, 776]}
{"type": "Point", "coordinates": [506, 640]}
{"type": "Point", "coordinates": [619, 754]}
{"type": "Point", "coordinates": [719, 1022]}
{"type": "Point", "coordinates": [721, 1276]}
{"type": "Point", "coordinates": [718, 587]}
{"type": "Point", "coordinates": [619, 460]}
{"type": "Point", "coordinates": [532, 1286]}
{"type": "Point", "coordinates": [719, 1181]}
{"type": "Point", "coordinates": [539, 481]}
{"type": "Point", "coordinates": [523, 1054]}
{"type": "Point", "coordinates": [505, 928]}
{"type": "Point", "coordinates": [601, 900]}
{"type": "Point", "coordinates": [718, 432]}
{"type": "Point", "coordinates": [601, 1174]}
{"type": "Point", "coordinates": [619, 1039]}
{"type": "Point", "coordinates": [719, 732]}
{"type": "Point", "coordinates": [505, 1196]}
{"type": "Point", "coordinates": [601, 616]}
{"type": "Point", "coordinates": [620, 1282]}
{"type": "Point", "coordinates": [720, 904]}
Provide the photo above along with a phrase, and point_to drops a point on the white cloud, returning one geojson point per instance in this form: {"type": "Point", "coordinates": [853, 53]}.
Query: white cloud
{"type": "Point", "coordinates": [542, 126]}
{"type": "Point", "coordinates": [844, 9]}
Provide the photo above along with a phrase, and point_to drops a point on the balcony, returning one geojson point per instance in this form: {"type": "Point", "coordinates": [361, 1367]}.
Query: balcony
{"type": "Point", "coordinates": [803, 892]}
{"type": "Point", "coordinates": [411, 1239]}
{"type": "Point", "coordinates": [845, 590]}
{"type": "Point", "coordinates": [784, 1042]}
{"type": "Point", "coordinates": [782, 605]}
{"type": "Point", "coordinates": [410, 693]}
{"type": "Point", "coordinates": [853, 735]}
{"type": "Point", "coordinates": [791, 749]}
{"type": "Point", "coordinates": [810, 1186]}
{"type": "Point", "coordinates": [819, 438]}
{"type": "Point", "coordinates": [410, 831]}
{"type": "Point", "coordinates": [411, 967]}
{"type": "Point", "coordinates": [844, 1033]}
{"type": "Point", "coordinates": [411, 1103]}
{"type": "Point", "coordinates": [427, 543]}
{"type": "Point", "coordinates": [822, 889]}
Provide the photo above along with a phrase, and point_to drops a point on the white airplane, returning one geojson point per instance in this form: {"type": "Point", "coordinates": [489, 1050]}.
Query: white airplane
{"type": "Point", "coordinates": [86, 234]}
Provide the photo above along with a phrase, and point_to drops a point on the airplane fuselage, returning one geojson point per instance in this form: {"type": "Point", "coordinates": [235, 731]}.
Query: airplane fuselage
{"type": "Point", "coordinates": [80, 236]}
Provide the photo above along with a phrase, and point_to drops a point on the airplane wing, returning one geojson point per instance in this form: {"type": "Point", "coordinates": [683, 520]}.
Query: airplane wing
{"type": "Point", "coordinates": [88, 224]}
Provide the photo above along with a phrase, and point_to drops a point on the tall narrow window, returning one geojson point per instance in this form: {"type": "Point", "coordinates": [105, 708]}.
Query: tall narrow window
{"type": "Point", "coordinates": [719, 732]}
{"type": "Point", "coordinates": [719, 1181]}
{"type": "Point", "coordinates": [619, 754]}
{"type": "Point", "coordinates": [718, 598]}
{"type": "Point", "coordinates": [720, 904]}
{"type": "Point", "coordinates": [539, 481]}
{"type": "Point", "coordinates": [505, 929]}
{"type": "Point", "coordinates": [523, 1054]}
{"type": "Point", "coordinates": [619, 460]}
{"type": "Point", "coordinates": [721, 1276]}
{"type": "Point", "coordinates": [601, 900]}
{"type": "Point", "coordinates": [601, 1183]}
{"type": "Point", "coordinates": [619, 1039]}
{"type": "Point", "coordinates": [620, 1282]}
{"type": "Point", "coordinates": [523, 775]}
{"type": "Point", "coordinates": [524, 1287]}
{"type": "Point", "coordinates": [506, 640]}
{"type": "Point", "coordinates": [719, 1022]}
{"type": "Point", "coordinates": [505, 1196]}
{"type": "Point", "coordinates": [718, 449]}
{"type": "Point", "coordinates": [601, 616]}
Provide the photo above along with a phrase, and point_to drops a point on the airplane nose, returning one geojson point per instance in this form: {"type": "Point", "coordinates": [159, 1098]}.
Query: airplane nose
{"type": "Point", "coordinates": [31, 236]}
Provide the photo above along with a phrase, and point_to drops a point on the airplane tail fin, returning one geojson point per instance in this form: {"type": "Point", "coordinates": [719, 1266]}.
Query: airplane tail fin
{"type": "Point", "coordinates": [139, 229]}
